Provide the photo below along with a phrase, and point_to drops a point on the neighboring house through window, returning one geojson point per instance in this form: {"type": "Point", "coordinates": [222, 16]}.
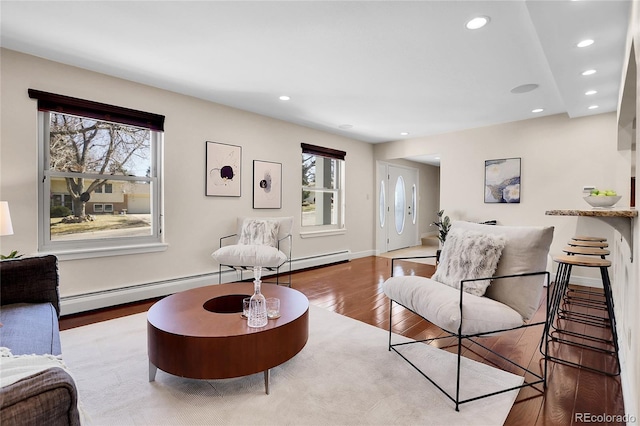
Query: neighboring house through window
{"type": "Point", "coordinates": [100, 177]}
{"type": "Point", "coordinates": [322, 189]}
{"type": "Point", "coordinates": [108, 188]}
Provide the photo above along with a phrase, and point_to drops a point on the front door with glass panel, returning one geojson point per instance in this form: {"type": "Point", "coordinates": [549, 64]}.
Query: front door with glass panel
{"type": "Point", "coordinates": [398, 205]}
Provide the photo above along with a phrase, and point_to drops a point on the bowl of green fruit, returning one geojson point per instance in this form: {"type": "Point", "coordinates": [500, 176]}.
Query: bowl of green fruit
{"type": "Point", "coordinates": [602, 199]}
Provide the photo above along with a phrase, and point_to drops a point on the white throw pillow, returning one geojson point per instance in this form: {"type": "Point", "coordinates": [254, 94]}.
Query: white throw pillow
{"type": "Point", "coordinates": [469, 255]}
{"type": "Point", "coordinates": [259, 231]}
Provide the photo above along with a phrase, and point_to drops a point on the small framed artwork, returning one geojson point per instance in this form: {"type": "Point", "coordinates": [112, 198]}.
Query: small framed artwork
{"type": "Point", "coordinates": [223, 170]}
{"type": "Point", "coordinates": [267, 185]}
{"type": "Point", "coordinates": [502, 180]}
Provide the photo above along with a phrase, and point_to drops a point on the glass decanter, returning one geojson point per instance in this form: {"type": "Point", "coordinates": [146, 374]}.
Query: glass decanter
{"type": "Point", "coordinates": [258, 303]}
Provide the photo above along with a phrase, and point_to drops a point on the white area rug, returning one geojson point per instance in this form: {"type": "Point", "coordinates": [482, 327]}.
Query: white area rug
{"type": "Point", "coordinates": [344, 376]}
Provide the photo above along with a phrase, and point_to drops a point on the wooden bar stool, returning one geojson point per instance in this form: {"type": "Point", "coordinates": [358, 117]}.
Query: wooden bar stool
{"type": "Point", "coordinates": [558, 315]}
{"type": "Point", "coordinates": [587, 238]}
{"type": "Point", "coordinates": [598, 244]}
{"type": "Point", "coordinates": [585, 298]}
{"type": "Point", "coordinates": [586, 251]}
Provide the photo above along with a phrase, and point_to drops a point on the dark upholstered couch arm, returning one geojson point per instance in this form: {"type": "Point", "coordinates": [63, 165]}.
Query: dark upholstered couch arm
{"type": "Point", "coordinates": [30, 280]}
{"type": "Point", "coordinates": [46, 398]}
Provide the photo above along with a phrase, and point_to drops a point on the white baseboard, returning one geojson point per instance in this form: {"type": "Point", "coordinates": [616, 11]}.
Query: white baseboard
{"type": "Point", "coordinates": [102, 299]}
{"type": "Point", "coordinates": [366, 253]}
{"type": "Point", "coordinates": [585, 281]}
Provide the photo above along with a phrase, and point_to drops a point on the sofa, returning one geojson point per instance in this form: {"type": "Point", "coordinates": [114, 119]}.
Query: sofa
{"type": "Point", "coordinates": [36, 387]}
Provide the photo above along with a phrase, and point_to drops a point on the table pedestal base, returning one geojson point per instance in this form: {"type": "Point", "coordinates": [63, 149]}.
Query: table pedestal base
{"type": "Point", "coordinates": [153, 369]}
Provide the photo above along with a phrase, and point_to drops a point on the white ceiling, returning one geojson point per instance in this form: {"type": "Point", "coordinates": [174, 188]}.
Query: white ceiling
{"type": "Point", "coordinates": [377, 67]}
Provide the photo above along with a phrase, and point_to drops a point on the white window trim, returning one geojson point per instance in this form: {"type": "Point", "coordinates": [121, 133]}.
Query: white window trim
{"type": "Point", "coordinates": [81, 249]}
{"type": "Point", "coordinates": [312, 231]}
{"type": "Point", "coordinates": [106, 251]}
{"type": "Point", "coordinates": [322, 233]}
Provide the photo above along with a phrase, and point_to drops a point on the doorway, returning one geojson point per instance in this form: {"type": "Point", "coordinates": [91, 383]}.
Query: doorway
{"type": "Point", "coordinates": [398, 205]}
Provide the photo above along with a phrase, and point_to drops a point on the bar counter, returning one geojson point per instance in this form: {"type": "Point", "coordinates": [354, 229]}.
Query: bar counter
{"type": "Point", "coordinates": [620, 218]}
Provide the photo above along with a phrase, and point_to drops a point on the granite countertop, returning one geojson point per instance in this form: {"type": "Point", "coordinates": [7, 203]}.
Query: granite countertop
{"type": "Point", "coordinates": [612, 212]}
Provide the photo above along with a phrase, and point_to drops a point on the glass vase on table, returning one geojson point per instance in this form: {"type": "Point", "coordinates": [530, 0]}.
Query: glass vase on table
{"type": "Point", "coordinates": [257, 303]}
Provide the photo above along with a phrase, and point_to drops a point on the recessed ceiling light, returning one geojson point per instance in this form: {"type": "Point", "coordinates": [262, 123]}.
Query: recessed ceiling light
{"type": "Point", "coordinates": [524, 88]}
{"type": "Point", "coordinates": [588, 72]}
{"type": "Point", "coordinates": [537, 110]}
{"type": "Point", "coordinates": [477, 22]}
{"type": "Point", "coordinates": [593, 106]}
{"type": "Point", "coordinates": [284, 98]}
{"type": "Point", "coordinates": [590, 92]}
{"type": "Point", "coordinates": [585, 43]}
{"type": "Point", "coordinates": [404, 133]}
{"type": "Point", "coordinates": [345, 126]}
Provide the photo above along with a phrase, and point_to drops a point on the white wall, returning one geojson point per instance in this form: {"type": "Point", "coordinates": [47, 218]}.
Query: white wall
{"type": "Point", "coordinates": [193, 222]}
{"type": "Point", "coordinates": [626, 283]}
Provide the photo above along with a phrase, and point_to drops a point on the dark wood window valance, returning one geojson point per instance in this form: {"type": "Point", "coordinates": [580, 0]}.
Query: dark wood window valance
{"type": "Point", "coordinates": [74, 106]}
{"type": "Point", "coordinates": [324, 152]}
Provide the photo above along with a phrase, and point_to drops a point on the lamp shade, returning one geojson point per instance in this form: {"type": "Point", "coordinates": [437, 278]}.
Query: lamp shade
{"type": "Point", "coordinates": [6, 228]}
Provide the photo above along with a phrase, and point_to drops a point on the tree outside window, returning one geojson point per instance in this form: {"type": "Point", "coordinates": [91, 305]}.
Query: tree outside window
{"type": "Point", "coordinates": [100, 180]}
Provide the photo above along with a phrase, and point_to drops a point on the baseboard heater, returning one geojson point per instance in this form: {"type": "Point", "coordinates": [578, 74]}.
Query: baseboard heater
{"type": "Point", "coordinates": [118, 296]}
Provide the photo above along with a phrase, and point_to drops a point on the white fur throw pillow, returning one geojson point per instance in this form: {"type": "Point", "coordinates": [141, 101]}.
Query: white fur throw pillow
{"type": "Point", "coordinates": [469, 255]}
{"type": "Point", "coordinates": [259, 232]}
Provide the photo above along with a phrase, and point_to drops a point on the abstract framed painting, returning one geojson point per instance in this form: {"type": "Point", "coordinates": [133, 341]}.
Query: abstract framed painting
{"type": "Point", "coordinates": [223, 170]}
{"type": "Point", "coordinates": [267, 185]}
{"type": "Point", "coordinates": [502, 180]}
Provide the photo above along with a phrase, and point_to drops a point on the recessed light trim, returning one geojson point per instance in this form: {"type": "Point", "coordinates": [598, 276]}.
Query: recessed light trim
{"type": "Point", "coordinates": [524, 88]}
{"type": "Point", "coordinates": [285, 98]}
{"type": "Point", "coordinates": [537, 110]}
{"type": "Point", "coordinates": [590, 92]}
{"type": "Point", "coordinates": [585, 43]}
{"type": "Point", "coordinates": [589, 72]}
{"type": "Point", "coordinates": [477, 22]}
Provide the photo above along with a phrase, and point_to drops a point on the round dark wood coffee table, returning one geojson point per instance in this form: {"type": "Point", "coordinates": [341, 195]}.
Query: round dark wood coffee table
{"type": "Point", "coordinates": [200, 333]}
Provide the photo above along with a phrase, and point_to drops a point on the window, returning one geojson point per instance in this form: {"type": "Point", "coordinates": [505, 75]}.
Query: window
{"type": "Point", "coordinates": [97, 158]}
{"type": "Point", "coordinates": [399, 205]}
{"type": "Point", "coordinates": [108, 188]}
{"type": "Point", "coordinates": [322, 188]}
{"type": "Point", "coordinates": [103, 208]}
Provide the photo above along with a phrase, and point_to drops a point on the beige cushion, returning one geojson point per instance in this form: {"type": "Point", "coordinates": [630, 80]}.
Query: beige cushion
{"type": "Point", "coordinates": [440, 304]}
{"type": "Point", "coordinates": [249, 255]}
{"type": "Point", "coordinates": [469, 255]}
{"type": "Point", "coordinates": [526, 249]}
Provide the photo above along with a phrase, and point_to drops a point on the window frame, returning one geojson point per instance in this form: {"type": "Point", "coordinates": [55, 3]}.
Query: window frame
{"type": "Point", "coordinates": [88, 248]}
{"type": "Point", "coordinates": [310, 231]}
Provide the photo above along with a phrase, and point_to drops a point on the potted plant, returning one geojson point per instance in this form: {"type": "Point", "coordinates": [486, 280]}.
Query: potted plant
{"type": "Point", "coordinates": [443, 223]}
{"type": "Point", "coordinates": [13, 255]}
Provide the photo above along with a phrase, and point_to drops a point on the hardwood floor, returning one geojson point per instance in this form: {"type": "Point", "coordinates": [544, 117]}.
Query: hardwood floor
{"type": "Point", "coordinates": [354, 289]}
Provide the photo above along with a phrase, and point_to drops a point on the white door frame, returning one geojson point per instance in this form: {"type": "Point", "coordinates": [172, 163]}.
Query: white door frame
{"type": "Point", "coordinates": [385, 223]}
